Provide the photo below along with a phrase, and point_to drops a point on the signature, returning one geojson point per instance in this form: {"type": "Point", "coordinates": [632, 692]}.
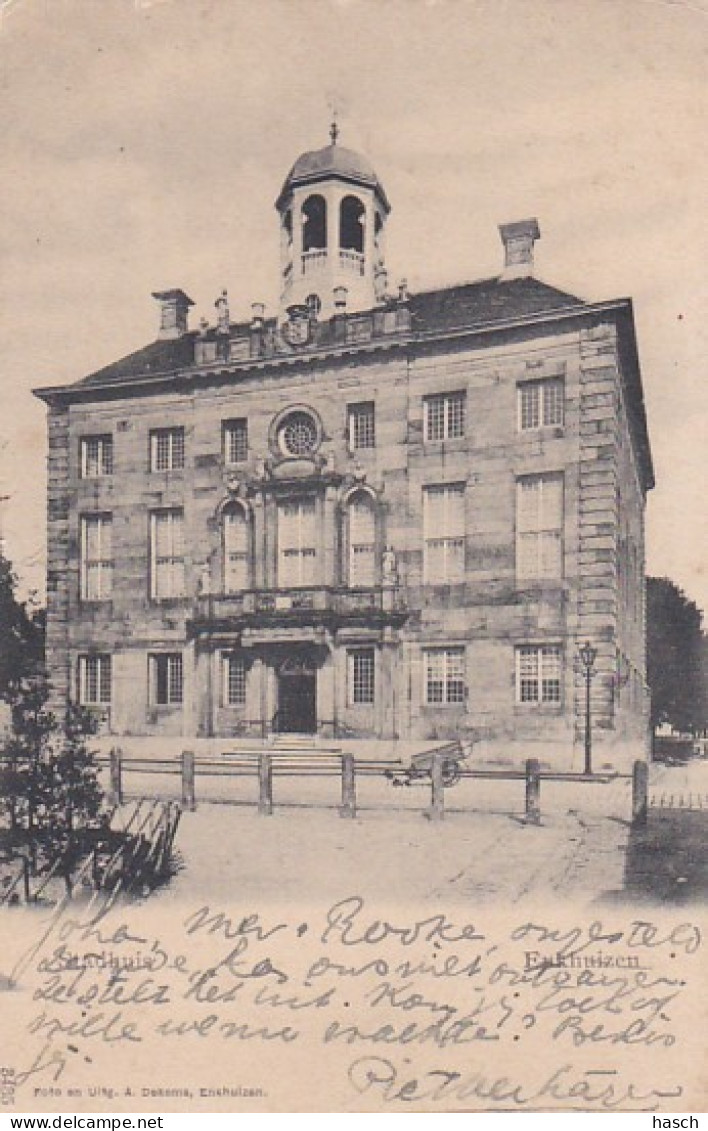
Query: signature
{"type": "Point", "coordinates": [598, 1088]}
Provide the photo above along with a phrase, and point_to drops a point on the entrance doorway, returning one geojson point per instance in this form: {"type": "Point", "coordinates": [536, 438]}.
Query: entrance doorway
{"type": "Point", "coordinates": [297, 697]}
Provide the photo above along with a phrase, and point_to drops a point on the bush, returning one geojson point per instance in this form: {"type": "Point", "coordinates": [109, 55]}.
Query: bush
{"type": "Point", "coordinates": [50, 795]}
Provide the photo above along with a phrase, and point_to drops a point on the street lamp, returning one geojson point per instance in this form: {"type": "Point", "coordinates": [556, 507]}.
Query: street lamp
{"type": "Point", "coordinates": [587, 658]}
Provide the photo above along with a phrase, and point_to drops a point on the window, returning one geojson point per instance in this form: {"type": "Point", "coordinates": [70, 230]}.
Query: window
{"type": "Point", "coordinates": [297, 542]}
{"type": "Point", "coordinates": [444, 672]}
{"type": "Point", "coordinates": [96, 456]}
{"type": "Point", "coordinates": [538, 673]}
{"type": "Point", "coordinates": [96, 557]}
{"type": "Point", "coordinates": [539, 526]}
{"type": "Point", "coordinates": [362, 540]}
{"type": "Point", "coordinates": [362, 425]}
{"type": "Point", "coordinates": [361, 676]}
{"type": "Point", "coordinates": [167, 449]}
{"type": "Point", "coordinates": [313, 303]}
{"type": "Point", "coordinates": [236, 549]}
{"type": "Point", "coordinates": [166, 681]}
{"type": "Point", "coordinates": [444, 416]}
{"type": "Point", "coordinates": [298, 434]}
{"type": "Point", "coordinates": [541, 404]}
{"type": "Point", "coordinates": [234, 673]}
{"type": "Point", "coordinates": [95, 680]}
{"type": "Point", "coordinates": [444, 534]}
{"type": "Point", "coordinates": [235, 441]}
{"type": "Point", "coordinates": [166, 554]}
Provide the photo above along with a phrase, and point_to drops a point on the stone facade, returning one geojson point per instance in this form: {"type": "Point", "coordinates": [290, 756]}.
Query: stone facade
{"type": "Point", "coordinates": [400, 523]}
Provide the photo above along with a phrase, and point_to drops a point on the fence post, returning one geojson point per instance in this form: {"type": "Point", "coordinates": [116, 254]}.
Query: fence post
{"type": "Point", "coordinates": [348, 808]}
{"type": "Point", "coordinates": [533, 791]}
{"type": "Point", "coordinates": [189, 799]}
{"type": "Point", "coordinates": [640, 784]}
{"type": "Point", "coordinates": [26, 879]}
{"type": "Point", "coordinates": [437, 797]}
{"type": "Point", "coordinates": [116, 776]}
{"type": "Point", "coordinates": [265, 785]}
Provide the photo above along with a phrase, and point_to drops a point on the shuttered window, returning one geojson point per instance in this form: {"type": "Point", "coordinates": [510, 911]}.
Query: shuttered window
{"type": "Point", "coordinates": [362, 541]}
{"type": "Point", "coordinates": [96, 557]}
{"type": "Point", "coordinates": [444, 534]}
{"type": "Point", "coordinates": [539, 526]}
{"type": "Point", "coordinates": [166, 554]}
{"type": "Point", "coordinates": [297, 543]}
{"type": "Point", "coordinates": [237, 565]}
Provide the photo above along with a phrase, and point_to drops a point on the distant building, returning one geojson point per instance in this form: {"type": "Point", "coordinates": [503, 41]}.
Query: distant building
{"type": "Point", "coordinates": [376, 514]}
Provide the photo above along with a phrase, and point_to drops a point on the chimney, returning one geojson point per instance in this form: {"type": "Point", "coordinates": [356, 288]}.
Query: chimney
{"type": "Point", "coordinates": [518, 239]}
{"type": "Point", "coordinates": [174, 312]}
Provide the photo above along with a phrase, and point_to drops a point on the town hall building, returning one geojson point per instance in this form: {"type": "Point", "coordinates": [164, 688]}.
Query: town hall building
{"type": "Point", "coordinates": [372, 514]}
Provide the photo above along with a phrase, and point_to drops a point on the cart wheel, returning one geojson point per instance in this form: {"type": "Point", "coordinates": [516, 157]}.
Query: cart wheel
{"type": "Point", "coordinates": [450, 772]}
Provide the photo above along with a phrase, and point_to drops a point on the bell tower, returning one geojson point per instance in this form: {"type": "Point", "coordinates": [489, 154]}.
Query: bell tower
{"type": "Point", "coordinates": [333, 212]}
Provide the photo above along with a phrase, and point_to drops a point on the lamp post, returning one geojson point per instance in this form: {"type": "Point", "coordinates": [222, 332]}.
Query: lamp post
{"type": "Point", "coordinates": [587, 658]}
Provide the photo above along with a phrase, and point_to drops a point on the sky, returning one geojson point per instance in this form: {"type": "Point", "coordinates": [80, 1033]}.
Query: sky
{"type": "Point", "coordinates": [144, 143]}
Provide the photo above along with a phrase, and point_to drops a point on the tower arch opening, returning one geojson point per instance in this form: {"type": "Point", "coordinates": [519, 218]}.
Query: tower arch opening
{"type": "Point", "coordinates": [352, 217]}
{"type": "Point", "coordinates": [314, 223]}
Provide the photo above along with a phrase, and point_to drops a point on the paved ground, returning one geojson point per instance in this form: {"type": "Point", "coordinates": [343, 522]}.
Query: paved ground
{"type": "Point", "coordinates": [482, 850]}
{"type": "Point", "coordinates": [585, 848]}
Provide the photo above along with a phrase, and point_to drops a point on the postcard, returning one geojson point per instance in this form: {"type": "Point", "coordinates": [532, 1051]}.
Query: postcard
{"type": "Point", "coordinates": [353, 676]}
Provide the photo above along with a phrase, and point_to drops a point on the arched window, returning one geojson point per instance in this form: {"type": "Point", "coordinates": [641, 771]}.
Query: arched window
{"type": "Point", "coordinates": [351, 225]}
{"type": "Point", "coordinates": [361, 540]}
{"type": "Point", "coordinates": [237, 549]}
{"type": "Point", "coordinates": [314, 224]}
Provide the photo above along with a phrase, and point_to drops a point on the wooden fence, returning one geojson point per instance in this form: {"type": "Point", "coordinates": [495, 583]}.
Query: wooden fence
{"type": "Point", "coordinates": [264, 767]}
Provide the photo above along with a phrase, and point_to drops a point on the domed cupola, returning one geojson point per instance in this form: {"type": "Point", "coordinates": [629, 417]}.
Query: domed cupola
{"type": "Point", "coordinates": [333, 211]}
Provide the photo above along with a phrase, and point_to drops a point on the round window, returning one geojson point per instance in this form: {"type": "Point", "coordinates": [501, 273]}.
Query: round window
{"type": "Point", "coordinates": [297, 434]}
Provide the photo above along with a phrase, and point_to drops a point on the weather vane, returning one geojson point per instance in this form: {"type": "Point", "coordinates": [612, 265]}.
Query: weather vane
{"type": "Point", "coordinates": [334, 128]}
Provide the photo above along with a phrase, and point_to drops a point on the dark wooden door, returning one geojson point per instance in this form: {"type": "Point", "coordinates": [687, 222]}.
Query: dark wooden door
{"type": "Point", "coordinates": [297, 703]}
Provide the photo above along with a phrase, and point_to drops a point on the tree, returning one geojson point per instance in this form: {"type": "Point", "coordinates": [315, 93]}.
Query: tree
{"type": "Point", "coordinates": [21, 637]}
{"type": "Point", "coordinates": [49, 788]}
{"type": "Point", "coordinates": [676, 650]}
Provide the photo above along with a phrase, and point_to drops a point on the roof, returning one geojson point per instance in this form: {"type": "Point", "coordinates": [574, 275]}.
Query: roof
{"type": "Point", "coordinates": [481, 306]}
{"type": "Point", "coordinates": [331, 161]}
{"type": "Point", "coordinates": [159, 357]}
{"type": "Point", "coordinates": [470, 304]}
{"type": "Point", "coordinates": [489, 300]}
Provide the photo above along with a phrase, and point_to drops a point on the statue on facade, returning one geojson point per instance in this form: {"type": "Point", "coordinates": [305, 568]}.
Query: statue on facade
{"type": "Point", "coordinates": [389, 567]}
{"type": "Point", "coordinates": [223, 318]}
{"type": "Point", "coordinates": [380, 283]}
{"type": "Point", "coordinates": [204, 582]}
